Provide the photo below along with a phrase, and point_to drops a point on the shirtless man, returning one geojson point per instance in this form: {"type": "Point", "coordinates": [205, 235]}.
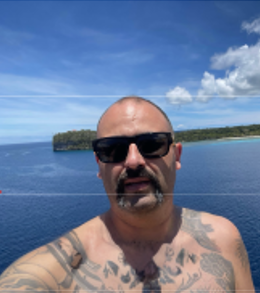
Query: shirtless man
{"type": "Point", "coordinates": [144, 243]}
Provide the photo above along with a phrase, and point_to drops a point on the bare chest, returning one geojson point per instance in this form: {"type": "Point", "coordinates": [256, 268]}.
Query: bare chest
{"type": "Point", "coordinates": [177, 270]}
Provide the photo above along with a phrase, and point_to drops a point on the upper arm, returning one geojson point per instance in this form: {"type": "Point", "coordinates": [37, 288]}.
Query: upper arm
{"type": "Point", "coordinates": [241, 265]}
{"type": "Point", "coordinates": [233, 249]}
{"type": "Point", "coordinates": [30, 273]}
{"type": "Point", "coordinates": [46, 269]}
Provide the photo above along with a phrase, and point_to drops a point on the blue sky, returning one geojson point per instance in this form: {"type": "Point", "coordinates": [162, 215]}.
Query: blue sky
{"type": "Point", "coordinates": [62, 63]}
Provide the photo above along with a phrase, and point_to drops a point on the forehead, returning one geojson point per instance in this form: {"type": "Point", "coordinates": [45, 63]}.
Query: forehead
{"type": "Point", "coordinates": [130, 118]}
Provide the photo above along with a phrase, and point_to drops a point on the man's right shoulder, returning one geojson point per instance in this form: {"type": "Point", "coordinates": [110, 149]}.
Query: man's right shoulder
{"type": "Point", "coordinates": [47, 268]}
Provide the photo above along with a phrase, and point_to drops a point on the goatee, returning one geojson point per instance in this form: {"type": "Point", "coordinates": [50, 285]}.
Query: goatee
{"type": "Point", "coordinates": [140, 172]}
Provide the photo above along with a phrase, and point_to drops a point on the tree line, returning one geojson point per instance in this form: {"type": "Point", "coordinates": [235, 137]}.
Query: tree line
{"type": "Point", "coordinates": [73, 140]}
{"type": "Point", "coordinates": [217, 133]}
{"type": "Point", "coordinates": [81, 140]}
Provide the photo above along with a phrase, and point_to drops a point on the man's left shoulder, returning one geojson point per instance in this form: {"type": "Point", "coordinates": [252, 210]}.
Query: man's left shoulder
{"type": "Point", "coordinates": [211, 231]}
{"type": "Point", "coordinates": [221, 225]}
{"type": "Point", "coordinates": [224, 247]}
{"type": "Point", "coordinates": [228, 238]}
{"type": "Point", "coordinates": [224, 232]}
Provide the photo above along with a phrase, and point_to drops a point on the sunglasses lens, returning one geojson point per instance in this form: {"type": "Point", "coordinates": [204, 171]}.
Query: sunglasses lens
{"type": "Point", "coordinates": [115, 149]}
{"type": "Point", "coordinates": [112, 150]}
{"type": "Point", "coordinates": [154, 145]}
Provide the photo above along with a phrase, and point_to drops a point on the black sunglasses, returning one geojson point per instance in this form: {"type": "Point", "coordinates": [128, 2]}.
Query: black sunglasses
{"type": "Point", "coordinates": [115, 149]}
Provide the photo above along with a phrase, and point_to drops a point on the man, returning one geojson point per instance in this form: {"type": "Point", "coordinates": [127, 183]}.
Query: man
{"type": "Point", "coordinates": [144, 243]}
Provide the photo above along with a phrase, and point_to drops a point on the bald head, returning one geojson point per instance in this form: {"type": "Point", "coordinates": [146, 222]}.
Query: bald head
{"type": "Point", "coordinates": [128, 107]}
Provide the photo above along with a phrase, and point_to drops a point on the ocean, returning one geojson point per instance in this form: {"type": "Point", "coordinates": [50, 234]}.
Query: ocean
{"type": "Point", "coordinates": [45, 194]}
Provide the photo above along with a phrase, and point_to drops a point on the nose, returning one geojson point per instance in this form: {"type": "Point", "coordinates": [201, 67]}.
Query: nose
{"type": "Point", "coordinates": [134, 159]}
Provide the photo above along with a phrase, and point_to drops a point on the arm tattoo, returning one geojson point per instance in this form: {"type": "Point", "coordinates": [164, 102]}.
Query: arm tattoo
{"type": "Point", "coordinates": [221, 268]}
{"type": "Point", "coordinates": [241, 253]}
{"type": "Point", "coordinates": [191, 224]}
{"type": "Point", "coordinates": [21, 281]}
{"type": "Point", "coordinates": [65, 250]}
{"type": "Point", "coordinates": [16, 278]}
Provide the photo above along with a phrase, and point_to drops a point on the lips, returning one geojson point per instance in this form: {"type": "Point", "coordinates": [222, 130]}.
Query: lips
{"type": "Point", "coordinates": [136, 180]}
{"type": "Point", "coordinates": [136, 184]}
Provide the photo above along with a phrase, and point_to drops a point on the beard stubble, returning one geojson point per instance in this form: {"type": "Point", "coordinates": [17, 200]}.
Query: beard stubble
{"type": "Point", "coordinates": [136, 173]}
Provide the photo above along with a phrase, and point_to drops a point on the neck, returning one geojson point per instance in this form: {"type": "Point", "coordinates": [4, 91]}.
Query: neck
{"type": "Point", "coordinates": [151, 229]}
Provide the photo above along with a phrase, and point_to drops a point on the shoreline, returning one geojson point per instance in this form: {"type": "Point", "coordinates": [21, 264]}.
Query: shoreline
{"type": "Point", "coordinates": [239, 137]}
{"type": "Point", "coordinates": [235, 138]}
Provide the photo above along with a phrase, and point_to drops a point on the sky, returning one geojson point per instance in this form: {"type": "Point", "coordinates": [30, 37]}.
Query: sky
{"type": "Point", "coordinates": [62, 63]}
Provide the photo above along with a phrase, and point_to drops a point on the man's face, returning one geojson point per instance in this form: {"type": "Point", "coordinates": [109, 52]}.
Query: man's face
{"type": "Point", "coordinates": [137, 184]}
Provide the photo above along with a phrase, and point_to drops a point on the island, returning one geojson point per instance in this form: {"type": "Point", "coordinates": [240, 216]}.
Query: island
{"type": "Point", "coordinates": [81, 139]}
{"type": "Point", "coordinates": [73, 140]}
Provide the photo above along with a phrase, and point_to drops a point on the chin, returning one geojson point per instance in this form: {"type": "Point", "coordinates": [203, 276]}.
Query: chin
{"type": "Point", "coordinates": [140, 203]}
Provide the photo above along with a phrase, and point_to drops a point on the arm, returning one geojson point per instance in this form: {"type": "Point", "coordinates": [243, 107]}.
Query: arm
{"type": "Point", "coordinates": [46, 269]}
{"type": "Point", "coordinates": [242, 266]}
{"type": "Point", "coordinates": [231, 243]}
{"type": "Point", "coordinates": [33, 272]}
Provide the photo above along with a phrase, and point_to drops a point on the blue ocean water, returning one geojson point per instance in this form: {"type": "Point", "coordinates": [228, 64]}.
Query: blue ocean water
{"type": "Point", "coordinates": [46, 193]}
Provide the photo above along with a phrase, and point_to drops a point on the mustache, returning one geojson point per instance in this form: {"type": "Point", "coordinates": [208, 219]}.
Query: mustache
{"type": "Point", "coordinates": [135, 173]}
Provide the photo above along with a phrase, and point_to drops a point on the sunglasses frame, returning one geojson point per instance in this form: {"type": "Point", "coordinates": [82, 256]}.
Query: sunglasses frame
{"type": "Point", "coordinates": [134, 139]}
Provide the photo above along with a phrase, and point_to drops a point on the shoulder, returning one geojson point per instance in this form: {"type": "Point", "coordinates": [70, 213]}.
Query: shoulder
{"type": "Point", "coordinates": [210, 223]}
{"type": "Point", "coordinates": [223, 243]}
{"type": "Point", "coordinates": [48, 267]}
{"type": "Point", "coordinates": [216, 232]}
{"type": "Point", "coordinates": [33, 271]}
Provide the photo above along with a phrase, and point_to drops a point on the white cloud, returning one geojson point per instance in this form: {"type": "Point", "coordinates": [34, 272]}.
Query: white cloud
{"type": "Point", "coordinates": [242, 81]}
{"type": "Point", "coordinates": [234, 57]}
{"type": "Point", "coordinates": [242, 76]}
{"type": "Point", "coordinates": [253, 27]}
{"type": "Point", "coordinates": [208, 87]}
{"type": "Point", "coordinates": [178, 96]}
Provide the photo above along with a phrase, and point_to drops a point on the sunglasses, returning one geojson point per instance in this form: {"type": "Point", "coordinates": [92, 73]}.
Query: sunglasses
{"type": "Point", "coordinates": [115, 149]}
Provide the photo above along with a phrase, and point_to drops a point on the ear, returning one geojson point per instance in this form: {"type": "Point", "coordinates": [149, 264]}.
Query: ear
{"type": "Point", "coordinates": [178, 150]}
{"type": "Point", "coordinates": [97, 160]}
